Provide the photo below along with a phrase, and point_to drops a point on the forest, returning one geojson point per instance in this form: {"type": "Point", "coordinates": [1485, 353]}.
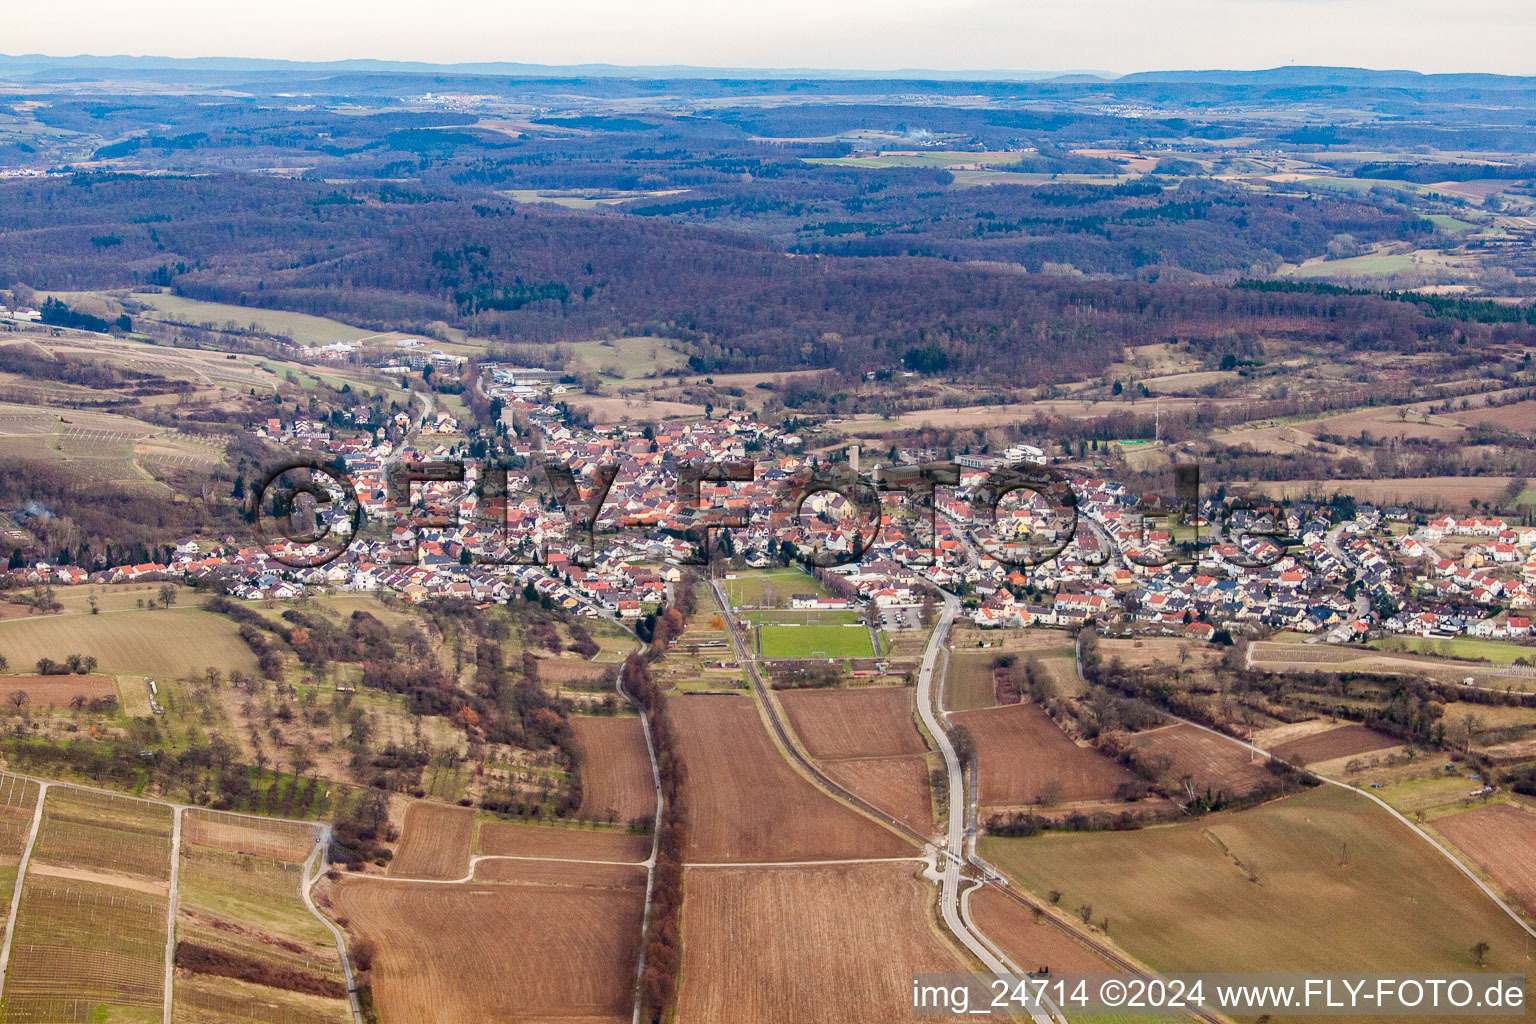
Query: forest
{"type": "Point", "coordinates": [539, 275]}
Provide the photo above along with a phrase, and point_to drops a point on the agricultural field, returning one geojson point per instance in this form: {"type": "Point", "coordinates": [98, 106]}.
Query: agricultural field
{"type": "Point", "coordinates": [1343, 741]}
{"type": "Point", "coordinates": [171, 642]}
{"type": "Point", "coordinates": [1024, 757]}
{"type": "Point", "coordinates": [745, 803]}
{"type": "Point", "coordinates": [899, 786]}
{"type": "Point", "coordinates": [1288, 656]}
{"type": "Point", "coordinates": [968, 681]}
{"type": "Point", "coordinates": [642, 408]}
{"type": "Point", "coordinates": [1490, 716]}
{"type": "Point", "coordinates": [573, 673]}
{"type": "Point", "coordinates": [246, 942]}
{"type": "Point", "coordinates": [1144, 652]}
{"type": "Point", "coordinates": [18, 801]}
{"type": "Point", "coordinates": [1032, 943]}
{"type": "Point", "coordinates": [836, 942]}
{"type": "Point", "coordinates": [58, 691]}
{"type": "Point", "coordinates": [1212, 763]}
{"type": "Point", "coordinates": [204, 999]}
{"type": "Point", "coordinates": [1306, 883]}
{"type": "Point", "coordinates": [1428, 493]}
{"type": "Point", "coordinates": [86, 952]}
{"type": "Point", "coordinates": [1498, 840]}
{"type": "Point", "coordinates": [813, 641]}
{"type": "Point", "coordinates": [435, 842]}
{"type": "Point", "coordinates": [1458, 647]}
{"type": "Point", "coordinates": [116, 838]}
{"type": "Point", "coordinates": [302, 328]}
{"type": "Point", "coordinates": [626, 358]}
{"type": "Point", "coordinates": [870, 722]}
{"type": "Point", "coordinates": [274, 839]}
{"type": "Point", "coordinates": [560, 872]}
{"type": "Point", "coordinates": [1053, 649]}
{"type": "Point", "coordinates": [518, 951]}
{"type": "Point", "coordinates": [616, 781]}
{"type": "Point", "coordinates": [506, 839]}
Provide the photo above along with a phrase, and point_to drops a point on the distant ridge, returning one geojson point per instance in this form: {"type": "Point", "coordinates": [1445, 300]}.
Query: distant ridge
{"type": "Point", "coordinates": [1305, 75]}
{"type": "Point", "coordinates": [36, 63]}
{"type": "Point", "coordinates": [45, 68]}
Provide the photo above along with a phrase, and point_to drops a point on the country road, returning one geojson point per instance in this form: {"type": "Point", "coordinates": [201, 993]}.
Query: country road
{"type": "Point", "coordinates": [306, 884]}
{"type": "Point", "coordinates": [786, 739]}
{"type": "Point", "coordinates": [951, 906]}
{"type": "Point", "coordinates": [952, 909]}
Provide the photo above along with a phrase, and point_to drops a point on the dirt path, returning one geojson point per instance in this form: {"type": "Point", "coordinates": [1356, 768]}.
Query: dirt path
{"type": "Point", "coordinates": [143, 885]}
{"type": "Point", "coordinates": [650, 862]}
{"type": "Point", "coordinates": [482, 858]}
{"type": "Point", "coordinates": [170, 913]}
{"type": "Point", "coordinates": [306, 883]}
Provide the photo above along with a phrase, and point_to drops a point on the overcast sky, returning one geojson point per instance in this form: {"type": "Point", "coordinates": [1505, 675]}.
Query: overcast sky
{"type": "Point", "coordinates": [1111, 35]}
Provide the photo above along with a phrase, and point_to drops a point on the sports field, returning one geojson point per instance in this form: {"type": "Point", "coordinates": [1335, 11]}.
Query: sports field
{"type": "Point", "coordinates": [781, 641]}
{"type": "Point", "coordinates": [1313, 882]}
{"type": "Point", "coordinates": [770, 588]}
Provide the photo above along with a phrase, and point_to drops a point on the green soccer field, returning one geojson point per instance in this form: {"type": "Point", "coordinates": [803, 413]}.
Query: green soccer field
{"type": "Point", "coordinates": [815, 642]}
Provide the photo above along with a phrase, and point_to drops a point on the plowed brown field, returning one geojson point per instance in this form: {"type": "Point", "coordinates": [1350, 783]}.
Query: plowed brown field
{"type": "Point", "coordinates": [835, 944]}
{"type": "Point", "coordinates": [1029, 944]}
{"type": "Point", "coordinates": [1499, 840]}
{"type": "Point", "coordinates": [505, 839]}
{"type": "Point", "coordinates": [1345, 741]}
{"type": "Point", "coordinates": [58, 691]}
{"type": "Point", "coordinates": [467, 954]}
{"type": "Point", "coordinates": [615, 769]}
{"type": "Point", "coordinates": [874, 722]}
{"type": "Point", "coordinates": [745, 803]}
{"type": "Point", "coordinates": [1214, 763]}
{"type": "Point", "coordinates": [897, 785]}
{"type": "Point", "coordinates": [1020, 750]}
{"type": "Point", "coordinates": [555, 872]}
{"type": "Point", "coordinates": [434, 843]}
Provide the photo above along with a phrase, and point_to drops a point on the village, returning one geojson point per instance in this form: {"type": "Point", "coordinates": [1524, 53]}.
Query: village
{"type": "Point", "coordinates": [1343, 573]}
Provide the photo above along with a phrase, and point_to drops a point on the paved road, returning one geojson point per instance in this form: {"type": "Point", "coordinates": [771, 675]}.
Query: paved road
{"type": "Point", "coordinates": [959, 835]}
{"type": "Point", "coordinates": [1331, 542]}
{"type": "Point", "coordinates": [786, 739]}
{"type": "Point", "coordinates": [953, 853]}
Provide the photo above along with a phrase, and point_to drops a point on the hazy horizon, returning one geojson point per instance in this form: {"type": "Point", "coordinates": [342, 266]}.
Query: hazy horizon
{"type": "Point", "coordinates": [964, 36]}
